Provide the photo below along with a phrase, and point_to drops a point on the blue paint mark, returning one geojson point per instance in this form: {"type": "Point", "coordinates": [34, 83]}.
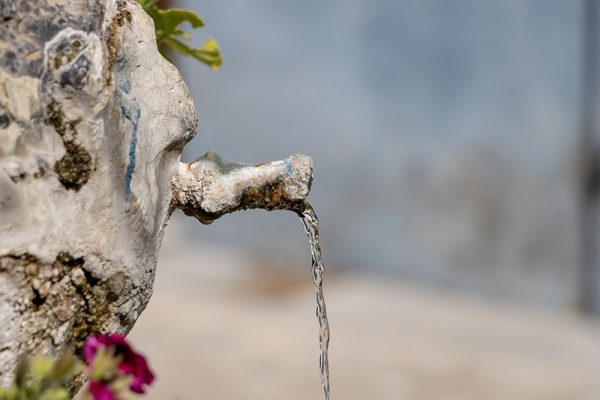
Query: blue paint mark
{"type": "Point", "coordinates": [122, 82]}
{"type": "Point", "coordinates": [288, 166]}
{"type": "Point", "coordinates": [132, 115]}
{"type": "Point", "coordinates": [131, 111]}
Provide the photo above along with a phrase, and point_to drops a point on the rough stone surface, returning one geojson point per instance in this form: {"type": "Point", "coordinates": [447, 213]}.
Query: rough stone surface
{"type": "Point", "coordinates": [212, 186]}
{"type": "Point", "coordinates": [92, 124]}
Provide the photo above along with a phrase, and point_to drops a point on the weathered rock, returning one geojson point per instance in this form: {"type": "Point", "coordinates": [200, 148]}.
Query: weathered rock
{"type": "Point", "coordinates": [213, 186]}
{"type": "Point", "coordinates": [92, 124]}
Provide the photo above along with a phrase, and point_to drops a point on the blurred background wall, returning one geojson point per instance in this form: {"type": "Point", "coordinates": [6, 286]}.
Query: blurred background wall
{"type": "Point", "coordinates": [447, 139]}
{"type": "Point", "coordinates": [443, 133]}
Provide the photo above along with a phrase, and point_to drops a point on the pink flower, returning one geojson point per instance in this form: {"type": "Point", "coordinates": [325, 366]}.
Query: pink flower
{"type": "Point", "coordinates": [101, 391]}
{"type": "Point", "coordinates": [132, 363]}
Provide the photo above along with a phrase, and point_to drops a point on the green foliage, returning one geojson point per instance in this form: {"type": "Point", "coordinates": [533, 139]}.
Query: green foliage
{"type": "Point", "coordinates": [46, 379]}
{"type": "Point", "coordinates": [105, 369]}
{"type": "Point", "coordinates": [43, 378]}
{"type": "Point", "coordinates": [105, 365]}
{"type": "Point", "coordinates": [114, 371]}
{"type": "Point", "coordinates": [170, 35]}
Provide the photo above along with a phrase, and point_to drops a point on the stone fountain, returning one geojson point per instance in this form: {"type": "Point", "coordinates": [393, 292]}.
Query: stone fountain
{"type": "Point", "coordinates": [93, 121]}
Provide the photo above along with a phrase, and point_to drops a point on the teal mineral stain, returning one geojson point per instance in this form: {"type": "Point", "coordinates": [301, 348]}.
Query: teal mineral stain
{"type": "Point", "coordinates": [131, 111]}
{"type": "Point", "coordinates": [133, 115]}
{"type": "Point", "coordinates": [288, 166]}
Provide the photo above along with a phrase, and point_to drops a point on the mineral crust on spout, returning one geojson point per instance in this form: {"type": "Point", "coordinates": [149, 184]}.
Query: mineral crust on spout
{"type": "Point", "coordinates": [212, 186]}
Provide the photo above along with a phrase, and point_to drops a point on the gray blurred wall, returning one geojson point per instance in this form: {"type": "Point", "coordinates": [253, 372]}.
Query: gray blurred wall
{"type": "Point", "coordinates": [443, 133]}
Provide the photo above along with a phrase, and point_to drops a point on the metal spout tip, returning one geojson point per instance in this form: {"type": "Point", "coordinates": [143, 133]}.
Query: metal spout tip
{"type": "Point", "coordinates": [212, 186]}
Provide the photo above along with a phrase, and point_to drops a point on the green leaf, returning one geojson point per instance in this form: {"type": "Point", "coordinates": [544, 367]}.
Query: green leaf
{"type": "Point", "coordinates": [56, 394]}
{"type": "Point", "coordinates": [121, 384]}
{"type": "Point", "coordinates": [21, 372]}
{"type": "Point", "coordinates": [41, 366]}
{"type": "Point", "coordinates": [10, 393]}
{"type": "Point", "coordinates": [182, 34]}
{"type": "Point", "coordinates": [168, 32]}
{"type": "Point", "coordinates": [65, 366]}
{"type": "Point", "coordinates": [209, 54]}
{"type": "Point", "coordinates": [147, 3]}
{"type": "Point", "coordinates": [167, 21]}
{"type": "Point", "coordinates": [104, 365]}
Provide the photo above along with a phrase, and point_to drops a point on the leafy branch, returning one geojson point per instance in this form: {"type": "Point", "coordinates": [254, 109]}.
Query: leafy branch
{"type": "Point", "coordinates": [43, 378]}
{"type": "Point", "coordinates": [169, 33]}
{"type": "Point", "coordinates": [115, 371]}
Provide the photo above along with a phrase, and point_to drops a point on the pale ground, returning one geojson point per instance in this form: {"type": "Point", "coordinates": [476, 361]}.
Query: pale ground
{"type": "Point", "coordinates": [214, 331]}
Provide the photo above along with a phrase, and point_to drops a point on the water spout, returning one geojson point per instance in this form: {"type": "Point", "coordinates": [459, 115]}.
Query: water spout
{"type": "Point", "coordinates": [212, 186]}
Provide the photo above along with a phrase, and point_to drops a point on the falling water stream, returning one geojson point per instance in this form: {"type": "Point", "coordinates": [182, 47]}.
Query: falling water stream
{"type": "Point", "coordinates": [311, 226]}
